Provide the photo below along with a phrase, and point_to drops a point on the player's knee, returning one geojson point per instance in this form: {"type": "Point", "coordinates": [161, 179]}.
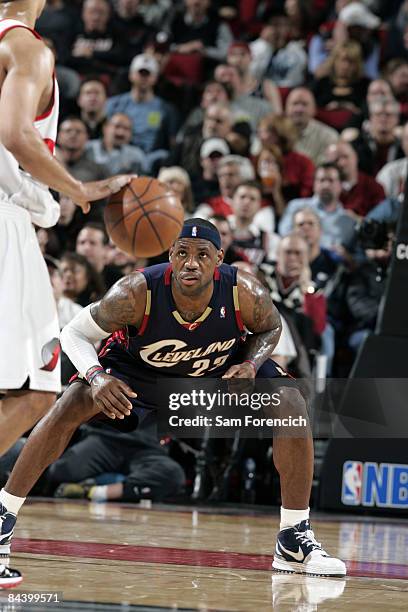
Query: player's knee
{"type": "Point", "coordinates": [288, 402]}
{"type": "Point", "coordinates": [75, 406]}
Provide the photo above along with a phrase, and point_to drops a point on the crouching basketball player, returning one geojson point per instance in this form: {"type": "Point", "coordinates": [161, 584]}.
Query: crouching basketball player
{"type": "Point", "coordinates": [193, 302]}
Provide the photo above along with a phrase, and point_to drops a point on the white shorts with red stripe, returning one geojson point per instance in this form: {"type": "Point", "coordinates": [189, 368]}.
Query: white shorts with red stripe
{"type": "Point", "coordinates": [29, 330]}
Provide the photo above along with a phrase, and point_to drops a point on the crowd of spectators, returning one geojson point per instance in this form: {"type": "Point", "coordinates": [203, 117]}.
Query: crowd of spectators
{"type": "Point", "coordinates": [282, 121]}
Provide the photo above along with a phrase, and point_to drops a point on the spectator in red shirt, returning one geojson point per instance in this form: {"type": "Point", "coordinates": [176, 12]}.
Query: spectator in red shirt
{"type": "Point", "coordinates": [361, 192]}
{"type": "Point", "coordinates": [278, 132]}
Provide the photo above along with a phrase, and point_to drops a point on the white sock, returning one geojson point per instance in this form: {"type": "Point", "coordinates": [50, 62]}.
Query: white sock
{"type": "Point", "coordinates": [98, 493]}
{"type": "Point", "coordinates": [12, 503]}
{"type": "Point", "coordinates": [290, 518]}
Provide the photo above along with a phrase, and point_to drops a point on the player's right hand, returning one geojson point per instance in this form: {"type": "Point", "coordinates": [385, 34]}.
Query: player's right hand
{"type": "Point", "coordinates": [98, 190]}
{"type": "Point", "coordinates": [111, 395]}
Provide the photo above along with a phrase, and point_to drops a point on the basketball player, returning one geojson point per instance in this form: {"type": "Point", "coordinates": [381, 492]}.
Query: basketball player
{"type": "Point", "coordinates": [159, 321]}
{"type": "Point", "coordinates": [29, 366]}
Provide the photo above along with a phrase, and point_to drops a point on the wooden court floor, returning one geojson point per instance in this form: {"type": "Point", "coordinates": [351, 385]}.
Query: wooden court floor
{"type": "Point", "coordinates": [121, 557]}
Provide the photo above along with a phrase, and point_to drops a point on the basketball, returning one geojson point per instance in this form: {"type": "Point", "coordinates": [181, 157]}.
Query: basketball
{"type": "Point", "coordinates": [144, 218]}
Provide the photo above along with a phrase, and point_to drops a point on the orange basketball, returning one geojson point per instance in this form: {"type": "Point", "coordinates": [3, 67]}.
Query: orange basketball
{"type": "Point", "coordinates": [144, 218]}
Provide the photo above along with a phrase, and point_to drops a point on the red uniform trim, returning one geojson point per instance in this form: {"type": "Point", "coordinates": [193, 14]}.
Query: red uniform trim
{"type": "Point", "coordinates": [167, 275]}
{"type": "Point", "coordinates": [48, 112]}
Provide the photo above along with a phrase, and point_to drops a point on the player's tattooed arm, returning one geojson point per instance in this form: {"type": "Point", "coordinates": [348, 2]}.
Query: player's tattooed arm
{"type": "Point", "coordinates": [124, 304]}
{"type": "Point", "coordinates": [260, 317]}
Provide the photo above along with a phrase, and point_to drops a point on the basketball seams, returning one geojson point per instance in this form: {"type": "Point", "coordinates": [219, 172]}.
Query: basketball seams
{"type": "Point", "coordinates": [155, 231]}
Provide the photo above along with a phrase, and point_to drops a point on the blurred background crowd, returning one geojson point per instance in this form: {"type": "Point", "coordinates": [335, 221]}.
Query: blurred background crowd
{"type": "Point", "coordinates": [281, 121]}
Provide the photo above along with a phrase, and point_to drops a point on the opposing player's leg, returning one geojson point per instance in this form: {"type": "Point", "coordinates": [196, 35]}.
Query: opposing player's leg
{"type": "Point", "coordinates": [19, 412]}
{"type": "Point", "coordinates": [297, 550]}
{"type": "Point", "coordinates": [45, 444]}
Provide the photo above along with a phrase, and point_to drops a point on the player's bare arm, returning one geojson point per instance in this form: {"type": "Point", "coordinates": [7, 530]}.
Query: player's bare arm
{"type": "Point", "coordinates": [26, 67]}
{"type": "Point", "coordinates": [124, 304]}
{"type": "Point", "coordinates": [260, 317]}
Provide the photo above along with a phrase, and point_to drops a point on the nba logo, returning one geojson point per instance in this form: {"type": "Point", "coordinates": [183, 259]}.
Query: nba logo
{"type": "Point", "coordinates": [352, 483]}
{"type": "Point", "coordinates": [194, 231]}
{"type": "Point", "coordinates": [222, 312]}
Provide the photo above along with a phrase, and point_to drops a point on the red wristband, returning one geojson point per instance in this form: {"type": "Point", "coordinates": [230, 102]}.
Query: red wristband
{"type": "Point", "coordinates": [253, 364]}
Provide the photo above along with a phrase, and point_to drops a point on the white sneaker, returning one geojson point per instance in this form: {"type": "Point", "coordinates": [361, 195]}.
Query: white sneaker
{"type": "Point", "coordinates": [298, 552]}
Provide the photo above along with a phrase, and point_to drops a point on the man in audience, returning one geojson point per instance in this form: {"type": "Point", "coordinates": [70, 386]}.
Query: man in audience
{"type": "Point", "coordinates": [71, 151]}
{"type": "Point", "coordinates": [92, 102]}
{"type": "Point", "coordinates": [114, 150]}
{"type": "Point", "coordinates": [360, 192]}
{"type": "Point", "coordinates": [92, 243]}
{"type": "Point", "coordinates": [196, 28]}
{"type": "Point", "coordinates": [155, 122]}
{"type": "Point", "coordinates": [377, 143]}
{"type": "Point", "coordinates": [97, 47]}
{"type": "Point", "coordinates": [217, 123]}
{"type": "Point", "coordinates": [257, 245]}
{"type": "Point", "coordinates": [393, 175]}
{"type": "Point", "coordinates": [246, 107]}
{"type": "Point", "coordinates": [276, 56]}
{"type": "Point", "coordinates": [323, 262]}
{"type": "Point", "coordinates": [231, 171]}
{"type": "Point", "coordinates": [338, 227]}
{"type": "Point", "coordinates": [314, 136]}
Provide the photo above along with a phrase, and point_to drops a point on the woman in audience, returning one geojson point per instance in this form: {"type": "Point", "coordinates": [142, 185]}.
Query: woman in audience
{"type": "Point", "coordinates": [346, 86]}
{"type": "Point", "coordinates": [278, 134]}
{"type": "Point", "coordinates": [179, 182]}
{"type": "Point", "coordinates": [81, 282]}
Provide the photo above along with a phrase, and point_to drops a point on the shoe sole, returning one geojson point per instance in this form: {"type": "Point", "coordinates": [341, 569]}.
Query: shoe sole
{"type": "Point", "coordinates": [295, 568]}
{"type": "Point", "coordinates": [11, 583]}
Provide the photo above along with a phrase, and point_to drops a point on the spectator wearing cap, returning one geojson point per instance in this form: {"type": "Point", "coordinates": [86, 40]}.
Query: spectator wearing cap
{"type": "Point", "coordinates": [393, 175]}
{"type": "Point", "coordinates": [313, 136]}
{"type": "Point", "coordinates": [114, 149]}
{"type": "Point", "coordinates": [92, 104]}
{"type": "Point", "coordinates": [232, 171]}
{"type": "Point", "coordinates": [196, 28]}
{"type": "Point", "coordinates": [377, 142]}
{"type": "Point", "coordinates": [154, 121]}
{"type": "Point", "coordinates": [246, 107]}
{"type": "Point", "coordinates": [217, 123]}
{"type": "Point", "coordinates": [338, 227]}
{"type": "Point", "coordinates": [97, 46]}
{"type": "Point", "coordinates": [355, 22]}
{"type": "Point", "coordinates": [239, 55]}
{"type": "Point", "coordinates": [360, 192]}
{"type": "Point", "coordinates": [275, 56]}
{"type": "Point", "coordinates": [211, 152]}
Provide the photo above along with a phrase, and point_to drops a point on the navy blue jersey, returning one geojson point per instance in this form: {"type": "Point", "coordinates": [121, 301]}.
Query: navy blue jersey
{"type": "Point", "coordinates": [166, 344]}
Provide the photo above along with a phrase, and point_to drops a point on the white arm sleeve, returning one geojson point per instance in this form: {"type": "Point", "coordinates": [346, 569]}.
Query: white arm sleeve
{"type": "Point", "coordinates": [78, 339]}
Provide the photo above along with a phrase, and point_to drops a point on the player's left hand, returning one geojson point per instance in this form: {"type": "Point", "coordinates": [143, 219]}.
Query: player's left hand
{"type": "Point", "coordinates": [241, 370]}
